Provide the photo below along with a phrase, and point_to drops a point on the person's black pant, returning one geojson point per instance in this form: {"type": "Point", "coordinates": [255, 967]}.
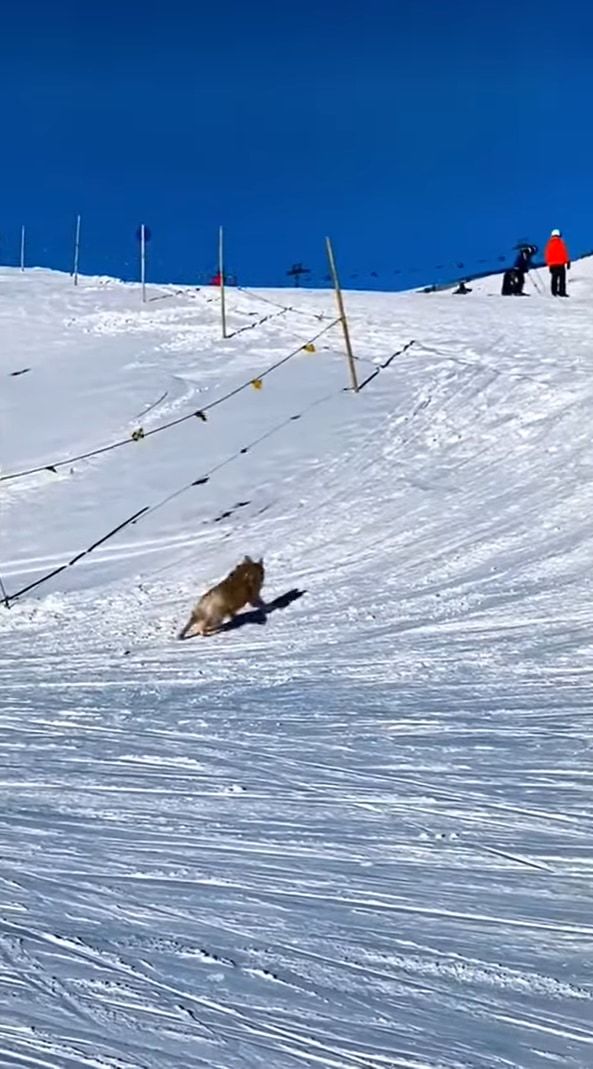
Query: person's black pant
{"type": "Point", "coordinates": [558, 281]}
{"type": "Point", "coordinates": [513, 281]}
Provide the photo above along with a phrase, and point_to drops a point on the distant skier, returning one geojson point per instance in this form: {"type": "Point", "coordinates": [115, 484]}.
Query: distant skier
{"type": "Point", "coordinates": [513, 279]}
{"type": "Point", "coordinates": [510, 283]}
{"type": "Point", "coordinates": [558, 260]}
{"type": "Point", "coordinates": [462, 288]}
{"type": "Point", "coordinates": [523, 264]}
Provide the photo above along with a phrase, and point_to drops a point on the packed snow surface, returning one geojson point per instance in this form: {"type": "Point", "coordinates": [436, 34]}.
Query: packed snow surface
{"type": "Point", "coordinates": [354, 833]}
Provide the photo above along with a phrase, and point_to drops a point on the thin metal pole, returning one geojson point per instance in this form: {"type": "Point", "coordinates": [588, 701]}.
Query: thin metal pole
{"type": "Point", "coordinates": [23, 247]}
{"type": "Point", "coordinates": [4, 594]}
{"type": "Point", "coordinates": [342, 311]}
{"type": "Point", "coordinates": [76, 250]}
{"type": "Point", "coordinates": [222, 280]}
{"type": "Point", "coordinates": [143, 261]}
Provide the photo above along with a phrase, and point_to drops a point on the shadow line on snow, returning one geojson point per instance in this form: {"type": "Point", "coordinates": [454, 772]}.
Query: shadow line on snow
{"type": "Point", "coordinates": [260, 616]}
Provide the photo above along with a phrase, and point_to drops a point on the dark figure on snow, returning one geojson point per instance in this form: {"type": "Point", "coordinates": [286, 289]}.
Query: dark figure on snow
{"type": "Point", "coordinates": [512, 283]}
{"type": "Point", "coordinates": [513, 280]}
{"type": "Point", "coordinates": [523, 264]}
{"type": "Point", "coordinates": [558, 260]}
{"type": "Point", "coordinates": [462, 288]}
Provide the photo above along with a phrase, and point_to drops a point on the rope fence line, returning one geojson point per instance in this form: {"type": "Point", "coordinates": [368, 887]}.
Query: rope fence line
{"type": "Point", "coordinates": [258, 323]}
{"type": "Point", "coordinates": [320, 316]}
{"type": "Point", "coordinates": [77, 557]}
{"type": "Point", "coordinates": [188, 294]}
{"type": "Point", "coordinates": [140, 434]}
{"type": "Point", "coordinates": [205, 478]}
{"type": "Point", "coordinates": [386, 363]}
{"type": "Point", "coordinates": [202, 480]}
{"type": "Point", "coordinates": [211, 298]}
{"type": "Point", "coordinates": [287, 307]}
{"type": "Point", "coordinates": [149, 509]}
{"type": "Point", "coordinates": [228, 513]}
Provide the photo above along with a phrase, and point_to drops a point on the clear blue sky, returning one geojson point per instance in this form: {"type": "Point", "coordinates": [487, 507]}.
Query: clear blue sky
{"type": "Point", "coordinates": [414, 133]}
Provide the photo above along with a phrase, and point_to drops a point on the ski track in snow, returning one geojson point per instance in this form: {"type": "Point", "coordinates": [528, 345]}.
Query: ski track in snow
{"type": "Point", "coordinates": [356, 835]}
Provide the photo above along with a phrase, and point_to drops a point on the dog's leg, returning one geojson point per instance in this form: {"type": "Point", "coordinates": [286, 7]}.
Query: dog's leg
{"type": "Point", "coordinates": [185, 630]}
{"type": "Point", "coordinates": [214, 623]}
{"type": "Point", "coordinates": [212, 630]}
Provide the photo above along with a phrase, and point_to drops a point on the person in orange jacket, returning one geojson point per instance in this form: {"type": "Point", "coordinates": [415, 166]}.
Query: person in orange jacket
{"type": "Point", "coordinates": [558, 260]}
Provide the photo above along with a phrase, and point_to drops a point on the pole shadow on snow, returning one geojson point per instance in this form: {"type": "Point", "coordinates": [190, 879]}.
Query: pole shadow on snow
{"type": "Point", "coordinates": [260, 616]}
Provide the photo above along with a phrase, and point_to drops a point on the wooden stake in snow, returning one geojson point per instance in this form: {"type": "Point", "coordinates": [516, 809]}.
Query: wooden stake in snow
{"type": "Point", "coordinates": [23, 247]}
{"type": "Point", "coordinates": [342, 313]}
{"type": "Point", "coordinates": [221, 278]}
{"type": "Point", "coordinates": [5, 598]}
{"type": "Point", "coordinates": [76, 250]}
{"type": "Point", "coordinates": [143, 261]}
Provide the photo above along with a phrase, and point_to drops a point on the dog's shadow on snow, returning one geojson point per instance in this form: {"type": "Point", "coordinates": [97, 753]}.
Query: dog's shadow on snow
{"type": "Point", "coordinates": [260, 616]}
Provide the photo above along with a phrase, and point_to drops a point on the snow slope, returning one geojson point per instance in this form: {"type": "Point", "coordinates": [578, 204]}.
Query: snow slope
{"type": "Point", "coordinates": [356, 834]}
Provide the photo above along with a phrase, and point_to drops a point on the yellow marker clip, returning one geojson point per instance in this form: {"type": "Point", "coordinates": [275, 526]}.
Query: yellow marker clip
{"type": "Point", "coordinates": [257, 384]}
{"type": "Point", "coordinates": [309, 348]}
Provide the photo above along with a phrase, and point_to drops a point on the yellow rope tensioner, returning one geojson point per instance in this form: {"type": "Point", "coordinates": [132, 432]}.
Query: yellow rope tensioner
{"type": "Point", "coordinates": [309, 347]}
{"type": "Point", "coordinates": [257, 384]}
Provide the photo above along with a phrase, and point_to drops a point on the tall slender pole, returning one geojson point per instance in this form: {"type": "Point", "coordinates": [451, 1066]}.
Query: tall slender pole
{"type": "Point", "coordinates": [23, 247]}
{"type": "Point", "coordinates": [76, 250]}
{"type": "Point", "coordinates": [222, 280]}
{"type": "Point", "coordinates": [143, 261]}
{"type": "Point", "coordinates": [342, 312]}
{"type": "Point", "coordinates": [5, 598]}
